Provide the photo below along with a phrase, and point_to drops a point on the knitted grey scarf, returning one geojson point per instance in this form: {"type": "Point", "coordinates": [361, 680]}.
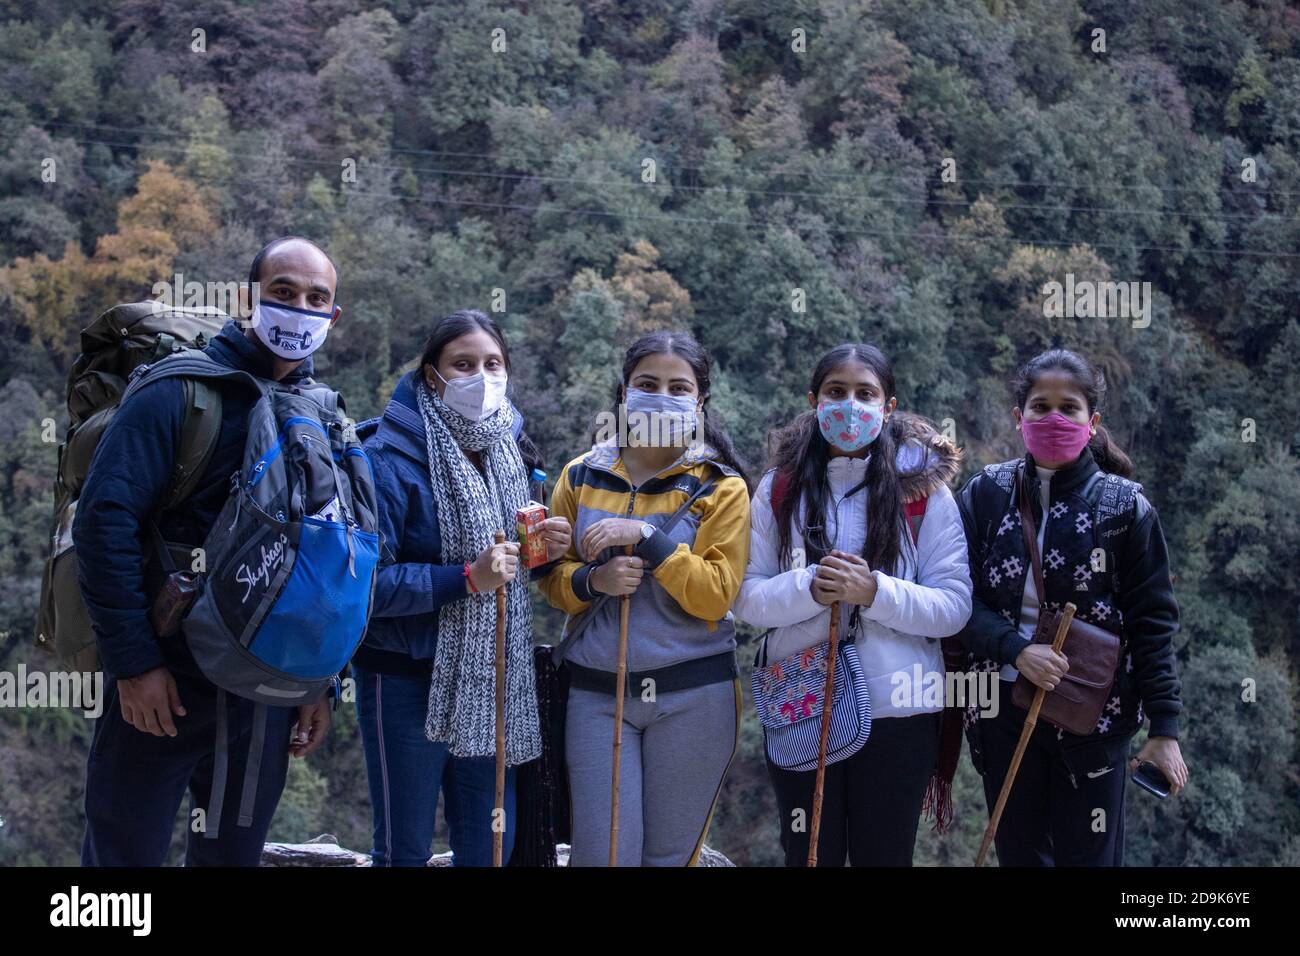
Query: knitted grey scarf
{"type": "Point", "coordinates": [471, 506]}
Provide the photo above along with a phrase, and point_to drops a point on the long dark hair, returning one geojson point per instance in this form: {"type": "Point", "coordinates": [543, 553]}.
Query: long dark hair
{"type": "Point", "coordinates": [802, 457]}
{"type": "Point", "coordinates": [684, 347]}
{"type": "Point", "coordinates": [1092, 383]}
{"type": "Point", "coordinates": [464, 322]}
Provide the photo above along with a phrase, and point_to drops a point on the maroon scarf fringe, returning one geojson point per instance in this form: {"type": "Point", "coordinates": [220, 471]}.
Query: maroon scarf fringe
{"type": "Point", "coordinates": [938, 794]}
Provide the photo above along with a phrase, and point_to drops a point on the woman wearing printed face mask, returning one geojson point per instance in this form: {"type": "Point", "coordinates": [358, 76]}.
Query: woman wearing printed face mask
{"type": "Point", "coordinates": [681, 716]}
{"type": "Point", "coordinates": [1101, 548]}
{"type": "Point", "coordinates": [451, 465]}
{"type": "Point", "coordinates": [829, 524]}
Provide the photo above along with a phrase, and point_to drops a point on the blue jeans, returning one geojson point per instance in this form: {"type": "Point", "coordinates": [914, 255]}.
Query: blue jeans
{"type": "Point", "coordinates": [406, 770]}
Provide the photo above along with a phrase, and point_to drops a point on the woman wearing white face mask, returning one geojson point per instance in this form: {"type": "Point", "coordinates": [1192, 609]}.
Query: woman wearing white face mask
{"type": "Point", "coordinates": [452, 465]}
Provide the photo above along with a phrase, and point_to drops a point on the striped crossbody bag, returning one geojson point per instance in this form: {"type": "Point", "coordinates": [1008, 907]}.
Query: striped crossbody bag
{"type": "Point", "coordinates": [788, 695]}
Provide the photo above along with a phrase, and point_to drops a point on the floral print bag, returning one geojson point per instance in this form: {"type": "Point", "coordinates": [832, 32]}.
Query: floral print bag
{"type": "Point", "coordinates": [788, 697]}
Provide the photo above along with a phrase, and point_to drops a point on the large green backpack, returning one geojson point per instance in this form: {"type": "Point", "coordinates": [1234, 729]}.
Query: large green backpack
{"type": "Point", "coordinates": [112, 346]}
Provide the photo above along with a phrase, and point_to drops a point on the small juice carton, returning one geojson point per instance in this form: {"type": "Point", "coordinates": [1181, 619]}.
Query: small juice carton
{"type": "Point", "coordinates": [528, 520]}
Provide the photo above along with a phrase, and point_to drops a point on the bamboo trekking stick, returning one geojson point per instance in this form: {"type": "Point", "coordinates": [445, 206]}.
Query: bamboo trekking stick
{"type": "Point", "coordinates": [620, 688]}
{"type": "Point", "coordinates": [499, 824]}
{"type": "Point", "coordinates": [1030, 721]}
{"type": "Point", "coordinates": [828, 692]}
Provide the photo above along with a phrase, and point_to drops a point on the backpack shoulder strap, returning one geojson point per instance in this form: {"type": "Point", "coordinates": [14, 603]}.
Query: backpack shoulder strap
{"type": "Point", "coordinates": [191, 363]}
{"type": "Point", "coordinates": [694, 496]}
{"type": "Point", "coordinates": [915, 513]}
{"type": "Point", "coordinates": [1118, 496]}
{"type": "Point", "coordinates": [199, 433]}
{"type": "Point", "coordinates": [1118, 499]}
{"type": "Point", "coordinates": [322, 395]}
{"type": "Point", "coordinates": [202, 425]}
{"type": "Point", "coordinates": [1003, 473]}
{"type": "Point", "coordinates": [780, 488]}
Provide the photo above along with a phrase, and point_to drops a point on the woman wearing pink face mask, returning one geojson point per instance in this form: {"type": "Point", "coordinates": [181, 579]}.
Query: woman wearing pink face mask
{"type": "Point", "coordinates": [1101, 548]}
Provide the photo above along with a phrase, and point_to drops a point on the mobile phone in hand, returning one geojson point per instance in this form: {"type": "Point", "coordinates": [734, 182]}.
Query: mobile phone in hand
{"type": "Point", "coordinates": [1150, 777]}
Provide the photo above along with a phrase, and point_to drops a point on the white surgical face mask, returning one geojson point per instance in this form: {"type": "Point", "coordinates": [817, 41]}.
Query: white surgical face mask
{"type": "Point", "coordinates": [671, 419]}
{"type": "Point", "coordinates": [475, 396]}
{"type": "Point", "coordinates": [289, 332]}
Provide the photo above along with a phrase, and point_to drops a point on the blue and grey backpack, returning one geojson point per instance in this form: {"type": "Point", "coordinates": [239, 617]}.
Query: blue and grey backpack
{"type": "Point", "coordinates": [287, 572]}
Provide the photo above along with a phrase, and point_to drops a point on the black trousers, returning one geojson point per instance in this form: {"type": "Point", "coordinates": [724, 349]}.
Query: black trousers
{"type": "Point", "coordinates": [1066, 806]}
{"type": "Point", "coordinates": [135, 782]}
{"type": "Point", "coordinates": [871, 802]}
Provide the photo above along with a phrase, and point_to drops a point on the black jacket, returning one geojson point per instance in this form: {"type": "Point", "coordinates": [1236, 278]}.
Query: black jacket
{"type": "Point", "coordinates": [128, 475]}
{"type": "Point", "coordinates": [1130, 593]}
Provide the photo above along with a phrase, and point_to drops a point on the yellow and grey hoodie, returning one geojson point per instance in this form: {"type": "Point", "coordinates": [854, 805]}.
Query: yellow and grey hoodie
{"type": "Point", "coordinates": [682, 609]}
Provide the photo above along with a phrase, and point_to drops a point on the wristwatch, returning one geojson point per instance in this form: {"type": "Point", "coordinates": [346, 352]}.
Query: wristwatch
{"type": "Point", "coordinates": [647, 531]}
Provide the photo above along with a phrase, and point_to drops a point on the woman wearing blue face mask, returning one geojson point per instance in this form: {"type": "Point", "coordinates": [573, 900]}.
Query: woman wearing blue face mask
{"type": "Point", "coordinates": [856, 510]}
{"type": "Point", "coordinates": [452, 466]}
{"type": "Point", "coordinates": [663, 483]}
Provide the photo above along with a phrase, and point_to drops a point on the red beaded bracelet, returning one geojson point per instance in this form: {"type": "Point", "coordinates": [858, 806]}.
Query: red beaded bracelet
{"type": "Point", "coordinates": [465, 572]}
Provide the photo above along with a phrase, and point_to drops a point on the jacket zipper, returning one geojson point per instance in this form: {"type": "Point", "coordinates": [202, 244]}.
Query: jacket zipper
{"type": "Point", "coordinates": [633, 489]}
{"type": "Point", "coordinates": [631, 501]}
{"type": "Point", "coordinates": [1042, 550]}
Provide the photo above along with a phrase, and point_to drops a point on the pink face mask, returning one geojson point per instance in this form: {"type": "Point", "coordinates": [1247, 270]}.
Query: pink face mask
{"type": "Point", "coordinates": [1054, 437]}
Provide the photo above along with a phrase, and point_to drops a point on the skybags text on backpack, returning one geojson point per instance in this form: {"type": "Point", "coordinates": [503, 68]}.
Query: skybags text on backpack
{"type": "Point", "coordinates": [291, 559]}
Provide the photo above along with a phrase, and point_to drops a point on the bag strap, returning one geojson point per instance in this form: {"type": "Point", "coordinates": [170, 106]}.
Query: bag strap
{"type": "Point", "coordinates": [220, 771]}
{"type": "Point", "coordinates": [915, 512]}
{"type": "Point", "coordinates": [1030, 533]}
{"type": "Point", "coordinates": [1110, 502]}
{"type": "Point", "coordinates": [191, 363]}
{"type": "Point", "coordinates": [320, 393]}
{"type": "Point", "coordinates": [780, 488]}
{"type": "Point", "coordinates": [199, 432]}
{"type": "Point", "coordinates": [571, 632]}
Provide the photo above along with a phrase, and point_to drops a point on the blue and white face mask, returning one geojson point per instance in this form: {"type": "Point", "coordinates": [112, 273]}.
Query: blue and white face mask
{"type": "Point", "coordinates": [289, 332]}
{"type": "Point", "coordinates": [850, 425]}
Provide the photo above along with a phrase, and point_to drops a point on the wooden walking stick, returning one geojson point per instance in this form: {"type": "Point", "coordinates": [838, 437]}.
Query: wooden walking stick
{"type": "Point", "coordinates": [499, 825]}
{"type": "Point", "coordinates": [828, 692]}
{"type": "Point", "coordinates": [620, 687]}
{"type": "Point", "coordinates": [1030, 720]}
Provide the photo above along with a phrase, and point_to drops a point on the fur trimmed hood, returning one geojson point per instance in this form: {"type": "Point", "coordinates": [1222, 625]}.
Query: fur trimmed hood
{"type": "Point", "coordinates": [926, 459]}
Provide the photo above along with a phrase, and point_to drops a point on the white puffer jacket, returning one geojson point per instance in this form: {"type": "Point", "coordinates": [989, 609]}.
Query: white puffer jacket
{"type": "Point", "coordinates": [927, 597]}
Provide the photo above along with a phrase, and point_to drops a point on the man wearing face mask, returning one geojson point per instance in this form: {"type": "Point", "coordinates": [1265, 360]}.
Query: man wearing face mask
{"type": "Point", "coordinates": [158, 735]}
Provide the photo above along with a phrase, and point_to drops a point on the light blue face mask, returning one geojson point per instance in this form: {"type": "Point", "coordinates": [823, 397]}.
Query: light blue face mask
{"type": "Point", "coordinates": [850, 425]}
{"type": "Point", "coordinates": [662, 420]}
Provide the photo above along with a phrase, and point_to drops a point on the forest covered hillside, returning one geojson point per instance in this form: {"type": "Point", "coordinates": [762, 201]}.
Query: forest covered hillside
{"type": "Point", "coordinates": [775, 177]}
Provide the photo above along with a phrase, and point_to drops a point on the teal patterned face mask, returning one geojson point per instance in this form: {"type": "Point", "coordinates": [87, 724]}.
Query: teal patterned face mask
{"type": "Point", "coordinates": [850, 425]}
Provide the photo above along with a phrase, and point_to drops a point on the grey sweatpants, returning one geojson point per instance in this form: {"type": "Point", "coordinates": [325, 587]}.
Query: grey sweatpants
{"type": "Point", "coordinates": [675, 752]}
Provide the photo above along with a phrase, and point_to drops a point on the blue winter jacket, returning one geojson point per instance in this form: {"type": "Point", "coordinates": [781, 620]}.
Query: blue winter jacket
{"type": "Point", "coordinates": [128, 474]}
{"type": "Point", "coordinates": [412, 583]}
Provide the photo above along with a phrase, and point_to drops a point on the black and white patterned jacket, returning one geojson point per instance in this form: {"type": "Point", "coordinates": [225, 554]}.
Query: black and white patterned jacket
{"type": "Point", "coordinates": [1104, 550]}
